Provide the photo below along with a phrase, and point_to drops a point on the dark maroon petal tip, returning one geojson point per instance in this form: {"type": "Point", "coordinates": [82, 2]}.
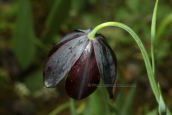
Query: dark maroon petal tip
{"type": "Point", "coordinates": [84, 76]}
{"type": "Point", "coordinates": [106, 61]}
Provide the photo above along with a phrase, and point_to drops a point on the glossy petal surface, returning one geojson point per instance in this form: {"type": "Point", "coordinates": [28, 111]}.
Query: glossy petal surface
{"type": "Point", "coordinates": [102, 38]}
{"type": "Point", "coordinates": [65, 39]}
{"type": "Point", "coordinates": [84, 75]}
{"type": "Point", "coordinates": [106, 62]}
{"type": "Point", "coordinates": [62, 60]}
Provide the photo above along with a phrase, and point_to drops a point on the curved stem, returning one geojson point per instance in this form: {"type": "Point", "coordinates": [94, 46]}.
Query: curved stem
{"type": "Point", "coordinates": [141, 46]}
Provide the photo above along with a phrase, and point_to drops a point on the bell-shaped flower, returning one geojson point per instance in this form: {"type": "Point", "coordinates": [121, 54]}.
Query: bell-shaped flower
{"type": "Point", "coordinates": [85, 61]}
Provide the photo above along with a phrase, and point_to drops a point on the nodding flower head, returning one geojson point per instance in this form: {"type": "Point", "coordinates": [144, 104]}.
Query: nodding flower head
{"type": "Point", "coordinates": [84, 60]}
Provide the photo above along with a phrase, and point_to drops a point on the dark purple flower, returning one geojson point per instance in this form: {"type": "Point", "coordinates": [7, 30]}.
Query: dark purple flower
{"type": "Point", "coordinates": [84, 61]}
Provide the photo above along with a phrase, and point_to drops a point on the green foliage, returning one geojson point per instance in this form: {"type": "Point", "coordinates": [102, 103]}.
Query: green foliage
{"type": "Point", "coordinates": [72, 107]}
{"type": "Point", "coordinates": [96, 104]}
{"type": "Point", "coordinates": [49, 3]}
{"type": "Point", "coordinates": [162, 107]}
{"type": "Point", "coordinates": [58, 14]}
{"type": "Point", "coordinates": [163, 27]}
{"type": "Point", "coordinates": [86, 110]}
{"type": "Point", "coordinates": [60, 108]}
{"type": "Point", "coordinates": [22, 20]}
{"type": "Point", "coordinates": [105, 99]}
{"type": "Point", "coordinates": [153, 27]}
{"type": "Point", "coordinates": [133, 5]}
{"type": "Point", "coordinates": [153, 112]}
{"type": "Point", "coordinates": [34, 80]}
{"type": "Point", "coordinates": [23, 37]}
{"type": "Point", "coordinates": [119, 100]}
{"type": "Point", "coordinates": [128, 103]}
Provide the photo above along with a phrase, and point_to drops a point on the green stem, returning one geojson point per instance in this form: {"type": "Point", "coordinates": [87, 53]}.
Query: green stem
{"type": "Point", "coordinates": [141, 46]}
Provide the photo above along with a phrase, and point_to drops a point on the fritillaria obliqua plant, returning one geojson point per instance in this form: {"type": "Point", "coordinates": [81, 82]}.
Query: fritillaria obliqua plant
{"type": "Point", "coordinates": [85, 60]}
{"type": "Point", "coordinates": [86, 57]}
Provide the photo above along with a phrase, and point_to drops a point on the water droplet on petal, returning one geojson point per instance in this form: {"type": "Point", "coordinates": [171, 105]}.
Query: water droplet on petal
{"type": "Point", "coordinates": [70, 48]}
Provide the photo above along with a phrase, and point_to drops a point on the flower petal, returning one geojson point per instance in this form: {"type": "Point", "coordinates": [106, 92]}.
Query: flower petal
{"type": "Point", "coordinates": [84, 76]}
{"type": "Point", "coordinates": [61, 61]}
{"type": "Point", "coordinates": [102, 38]}
{"type": "Point", "coordinates": [65, 39]}
{"type": "Point", "coordinates": [106, 61]}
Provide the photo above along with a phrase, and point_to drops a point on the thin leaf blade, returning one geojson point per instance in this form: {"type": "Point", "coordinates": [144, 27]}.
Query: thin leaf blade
{"type": "Point", "coordinates": [96, 104]}
{"type": "Point", "coordinates": [163, 27]}
{"type": "Point", "coordinates": [128, 103]}
{"type": "Point", "coordinates": [23, 37]}
{"type": "Point", "coordinates": [153, 29]}
{"type": "Point", "coordinates": [59, 109]}
{"type": "Point", "coordinates": [162, 107]}
{"type": "Point", "coordinates": [58, 14]}
{"type": "Point", "coordinates": [153, 112]}
{"type": "Point", "coordinates": [72, 107]}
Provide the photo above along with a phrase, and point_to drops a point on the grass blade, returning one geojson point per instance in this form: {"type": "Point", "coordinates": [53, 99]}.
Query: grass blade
{"type": "Point", "coordinates": [72, 107]}
{"type": "Point", "coordinates": [96, 104]}
{"type": "Point", "coordinates": [162, 107]}
{"type": "Point", "coordinates": [59, 109]}
{"type": "Point", "coordinates": [162, 27]}
{"type": "Point", "coordinates": [119, 99]}
{"type": "Point", "coordinates": [105, 98]}
{"type": "Point", "coordinates": [128, 103]}
{"type": "Point", "coordinates": [153, 112]}
{"type": "Point", "coordinates": [58, 14]}
{"type": "Point", "coordinates": [153, 29]}
{"type": "Point", "coordinates": [23, 36]}
{"type": "Point", "coordinates": [86, 110]}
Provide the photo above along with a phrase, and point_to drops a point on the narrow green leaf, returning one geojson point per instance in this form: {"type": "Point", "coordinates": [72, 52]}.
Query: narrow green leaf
{"type": "Point", "coordinates": [104, 98]}
{"type": "Point", "coordinates": [119, 99]}
{"type": "Point", "coordinates": [58, 14]}
{"type": "Point", "coordinates": [168, 112]}
{"type": "Point", "coordinates": [128, 103]}
{"type": "Point", "coordinates": [96, 104]}
{"type": "Point", "coordinates": [114, 110]}
{"type": "Point", "coordinates": [153, 112]}
{"type": "Point", "coordinates": [72, 107]}
{"type": "Point", "coordinates": [162, 27]}
{"type": "Point", "coordinates": [23, 37]}
{"type": "Point", "coordinates": [153, 28]}
{"type": "Point", "coordinates": [59, 109]}
{"type": "Point", "coordinates": [86, 110]}
{"type": "Point", "coordinates": [162, 107]}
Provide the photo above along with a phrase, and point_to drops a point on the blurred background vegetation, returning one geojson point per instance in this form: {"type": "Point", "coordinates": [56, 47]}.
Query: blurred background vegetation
{"type": "Point", "coordinates": [30, 28]}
